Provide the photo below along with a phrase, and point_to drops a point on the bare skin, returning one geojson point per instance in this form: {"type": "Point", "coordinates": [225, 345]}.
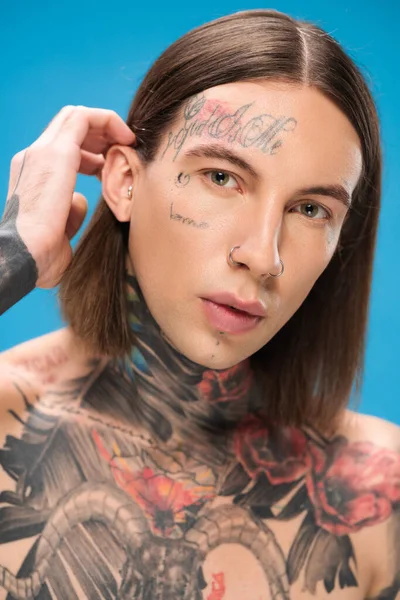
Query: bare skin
{"type": "Point", "coordinates": [160, 476]}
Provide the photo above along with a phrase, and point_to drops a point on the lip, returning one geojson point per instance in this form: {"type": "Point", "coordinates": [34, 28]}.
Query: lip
{"type": "Point", "coordinates": [228, 320]}
{"type": "Point", "coordinates": [253, 307]}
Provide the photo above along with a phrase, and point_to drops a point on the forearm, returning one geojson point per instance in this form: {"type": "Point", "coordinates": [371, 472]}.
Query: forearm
{"type": "Point", "coordinates": [18, 271]}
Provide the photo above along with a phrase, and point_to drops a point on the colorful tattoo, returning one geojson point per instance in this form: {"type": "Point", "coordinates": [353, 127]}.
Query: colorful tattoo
{"type": "Point", "coordinates": [44, 365]}
{"type": "Point", "coordinates": [218, 587]}
{"type": "Point", "coordinates": [130, 476]}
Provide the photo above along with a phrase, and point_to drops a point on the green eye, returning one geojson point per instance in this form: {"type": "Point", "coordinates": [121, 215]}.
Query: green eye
{"type": "Point", "coordinates": [311, 210]}
{"type": "Point", "coordinates": [222, 179]}
{"type": "Point", "coordinates": [219, 177]}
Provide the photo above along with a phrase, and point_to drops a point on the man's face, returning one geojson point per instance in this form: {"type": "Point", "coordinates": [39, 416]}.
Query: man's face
{"type": "Point", "coordinates": [264, 166]}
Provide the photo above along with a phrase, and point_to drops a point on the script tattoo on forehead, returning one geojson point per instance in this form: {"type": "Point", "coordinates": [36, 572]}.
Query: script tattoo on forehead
{"type": "Point", "coordinates": [263, 131]}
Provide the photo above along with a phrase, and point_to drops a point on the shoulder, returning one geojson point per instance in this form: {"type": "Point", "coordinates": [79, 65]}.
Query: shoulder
{"type": "Point", "coordinates": [362, 427]}
{"type": "Point", "coordinates": [354, 476]}
{"type": "Point", "coordinates": [369, 466]}
{"type": "Point", "coordinates": [43, 361]}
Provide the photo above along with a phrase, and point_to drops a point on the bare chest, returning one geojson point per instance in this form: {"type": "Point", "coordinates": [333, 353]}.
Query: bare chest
{"type": "Point", "coordinates": [102, 509]}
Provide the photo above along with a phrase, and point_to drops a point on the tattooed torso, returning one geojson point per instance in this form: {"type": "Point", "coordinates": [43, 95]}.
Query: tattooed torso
{"type": "Point", "coordinates": [107, 496]}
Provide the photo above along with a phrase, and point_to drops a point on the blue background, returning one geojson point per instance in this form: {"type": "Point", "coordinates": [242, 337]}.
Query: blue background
{"type": "Point", "coordinates": [96, 53]}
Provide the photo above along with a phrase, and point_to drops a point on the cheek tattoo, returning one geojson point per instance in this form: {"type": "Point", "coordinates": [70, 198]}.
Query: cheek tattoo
{"type": "Point", "coordinates": [186, 220]}
{"type": "Point", "coordinates": [182, 180]}
{"type": "Point", "coordinates": [263, 131]}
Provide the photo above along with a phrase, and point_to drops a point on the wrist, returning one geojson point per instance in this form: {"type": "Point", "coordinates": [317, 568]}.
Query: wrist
{"type": "Point", "coordinates": [18, 270]}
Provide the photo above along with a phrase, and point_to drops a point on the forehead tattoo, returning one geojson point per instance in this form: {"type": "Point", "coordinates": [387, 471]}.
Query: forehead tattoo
{"type": "Point", "coordinates": [214, 120]}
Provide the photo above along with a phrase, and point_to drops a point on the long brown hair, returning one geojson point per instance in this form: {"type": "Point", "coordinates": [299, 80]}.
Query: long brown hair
{"type": "Point", "coordinates": [308, 370]}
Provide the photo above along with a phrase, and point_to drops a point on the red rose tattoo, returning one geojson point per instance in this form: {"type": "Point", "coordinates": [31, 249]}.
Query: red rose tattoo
{"type": "Point", "coordinates": [230, 385]}
{"type": "Point", "coordinates": [280, 453]}
{"type": "Point", "coordinates": [336, 486]}
{"type": "Point", "coordinates": [352, 485]}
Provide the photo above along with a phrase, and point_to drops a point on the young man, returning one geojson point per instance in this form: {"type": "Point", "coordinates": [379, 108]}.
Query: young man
{"type": "Point", "coordinates": [186, 436]}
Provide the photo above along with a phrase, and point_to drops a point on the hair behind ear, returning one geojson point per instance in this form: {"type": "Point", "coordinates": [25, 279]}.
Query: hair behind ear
{"type": "Point", "coordinates": [92, 289]}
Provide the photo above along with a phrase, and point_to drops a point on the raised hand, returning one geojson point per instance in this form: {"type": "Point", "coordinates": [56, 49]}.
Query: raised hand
{"type": "Point", "coordinates": [43, 212]}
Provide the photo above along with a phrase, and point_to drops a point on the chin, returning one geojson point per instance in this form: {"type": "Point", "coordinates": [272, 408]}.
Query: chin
{"type": "Point", "coordinates": [205, 353]}
{"type": "Point", "coordinates": [217, 363]}
{"type": "Point", "coordinates": [217, 358]}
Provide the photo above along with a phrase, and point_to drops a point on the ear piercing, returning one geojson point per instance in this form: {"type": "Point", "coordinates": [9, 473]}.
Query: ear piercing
{"type": "Point", "coordinates": [130, 192]}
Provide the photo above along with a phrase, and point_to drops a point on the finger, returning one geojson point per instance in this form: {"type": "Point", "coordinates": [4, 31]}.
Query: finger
{"type": "Point", "coordinates": [56, 123]}
{"type": "Point", "coordinates": [105, 122]}
{"type": "Point", "coordinates": [95, 143]}
{"type": "Point", "coordinates": [74, 123]}
{"type": "Point", "coordinates": [77, 214]}
{"type": "Point", "coordinates": [91, 164]}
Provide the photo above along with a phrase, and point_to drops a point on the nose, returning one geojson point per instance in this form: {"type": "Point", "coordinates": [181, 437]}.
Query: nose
{"type": "Point", "coordinates": [259, 251]}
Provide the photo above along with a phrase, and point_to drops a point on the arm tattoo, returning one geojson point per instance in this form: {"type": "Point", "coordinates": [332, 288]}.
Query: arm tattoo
{"type": "Point", "coordinates": [18, 270]}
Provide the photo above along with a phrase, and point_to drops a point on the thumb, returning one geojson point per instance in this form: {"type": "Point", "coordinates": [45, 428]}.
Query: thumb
{"type": "Point", "coordinates": [76, 215]}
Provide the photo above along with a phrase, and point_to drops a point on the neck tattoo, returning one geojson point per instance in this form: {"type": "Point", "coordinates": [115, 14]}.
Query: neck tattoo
{"type": "Point", "coordinates": [180, 388]}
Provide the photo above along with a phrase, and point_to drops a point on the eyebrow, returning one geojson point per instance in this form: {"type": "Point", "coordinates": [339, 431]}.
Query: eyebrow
{"type": "Point", "coordinates": [216, 151]}
{"type": "Point", "coordinates": [336, 191]}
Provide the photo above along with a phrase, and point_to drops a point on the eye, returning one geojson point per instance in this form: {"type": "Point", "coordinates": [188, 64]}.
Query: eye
{"type": "Point", "coordinates": [311, 210]}
{"type": "Point", "coordinates": [222, 179]}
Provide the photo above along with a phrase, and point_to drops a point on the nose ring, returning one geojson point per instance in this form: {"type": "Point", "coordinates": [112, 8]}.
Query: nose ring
{"type": "Point", "coordinates": [234, 263]}
{"type": "Point", "coordinates": [231, 260]}
{"type": "Point", "coordinates": [281, 271]}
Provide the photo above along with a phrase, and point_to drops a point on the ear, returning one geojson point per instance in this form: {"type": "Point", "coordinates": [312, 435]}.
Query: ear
{"type": "Point", "coordinates": [120, 171]}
